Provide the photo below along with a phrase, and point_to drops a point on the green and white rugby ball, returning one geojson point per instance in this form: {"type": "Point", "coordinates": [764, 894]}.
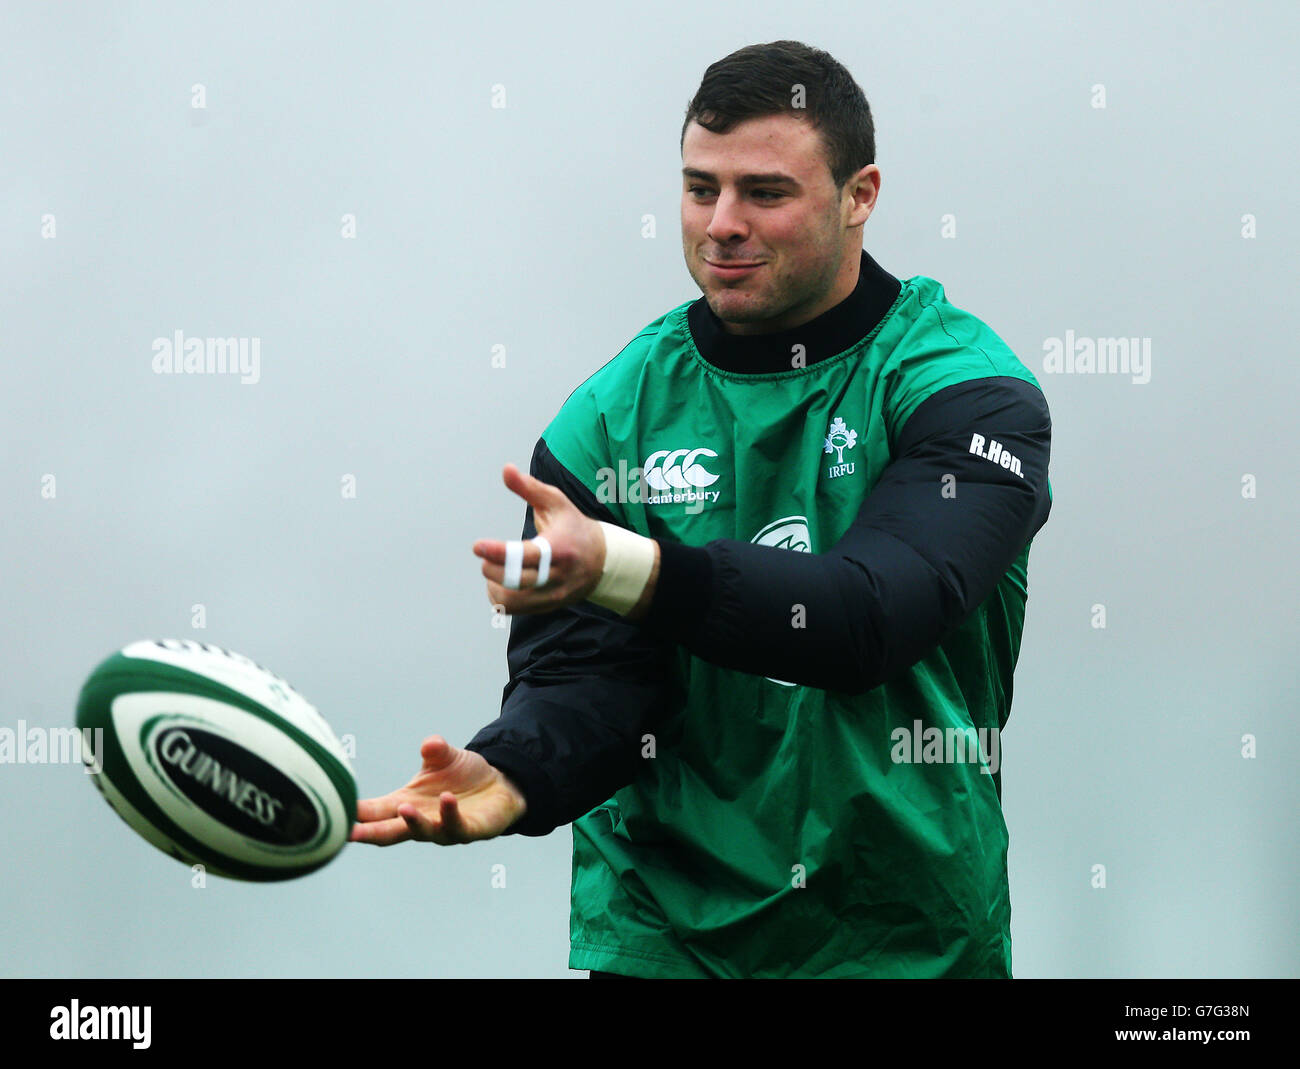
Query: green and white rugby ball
{"type": "Point", "coordinates": [217, 761]}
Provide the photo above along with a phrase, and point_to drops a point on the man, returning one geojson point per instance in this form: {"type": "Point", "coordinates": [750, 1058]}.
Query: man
{"type": "Point", "coordinates": [782, 569]}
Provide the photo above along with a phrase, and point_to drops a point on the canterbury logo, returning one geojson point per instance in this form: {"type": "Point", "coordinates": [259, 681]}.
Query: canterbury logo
{"type": "Point", "coordinates": [678, 469]}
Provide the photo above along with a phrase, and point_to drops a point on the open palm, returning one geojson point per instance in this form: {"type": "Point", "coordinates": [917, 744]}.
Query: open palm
{"type": "Point", "coordinates": [456, 797]}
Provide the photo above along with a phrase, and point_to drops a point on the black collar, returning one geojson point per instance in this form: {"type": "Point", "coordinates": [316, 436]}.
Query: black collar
{"type": "Point", "coordinates": [832, 332]}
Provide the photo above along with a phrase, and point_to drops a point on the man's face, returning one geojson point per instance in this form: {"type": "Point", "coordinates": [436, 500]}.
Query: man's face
{"type": "Point", "coordinates": [762, 195]}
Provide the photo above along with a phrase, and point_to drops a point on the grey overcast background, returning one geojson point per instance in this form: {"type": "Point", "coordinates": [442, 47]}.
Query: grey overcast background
{"type": "Point", "coordinates": [127, 214]}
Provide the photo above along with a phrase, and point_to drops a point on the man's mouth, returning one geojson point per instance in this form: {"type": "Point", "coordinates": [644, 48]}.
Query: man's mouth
{"type": "Point", "coordinates": [732, 268]}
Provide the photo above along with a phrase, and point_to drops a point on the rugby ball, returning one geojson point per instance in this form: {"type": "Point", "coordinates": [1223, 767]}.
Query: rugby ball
{"type": "Point", "coordinates": [216, 761]}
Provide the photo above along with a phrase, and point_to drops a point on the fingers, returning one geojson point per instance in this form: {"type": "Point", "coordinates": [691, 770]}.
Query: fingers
{"type": "Point", "coordinates": [419, 829]}
{"type": "Point", "coordinates": [437, 753]}
{"type": "Point", "coordinates": [494, 556]}
{"type": "Point", "coordinates": [530, 595]}
{"type": "Point", "coordinates": [446, 830]}
{"type": "Point", "coordinates": [395, 818]}
{"type": "Point", "coordinates": [494, 569]}
{"type": "Point", "coordinates": [453, 824]}
{"type": "Point", "coordinates": [380, 832]}
{"type": "Point", "coordinates": [493, 552]}
{"type": "Point", "coordinates": [546, 500]}
{"type": "Point", "coordinates": [535, 560]}
{"type": "Point", "coordinates": [495, 574]}
{"type": "Point", "coordinates": [534, 491]}
{"type": "Point", "coordinates": [372, 809]}
{"type": "Point", "coordinates": [410, 824]}
{"type": "Point", "coordinates": [523, 602]}
{"type": "Point", "coordinates": [502, 560]}
{"type": "Point", "coordinates": [379, 817]}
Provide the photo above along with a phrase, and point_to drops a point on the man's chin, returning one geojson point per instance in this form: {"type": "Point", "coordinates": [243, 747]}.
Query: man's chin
{"type": "Point", "coordinates": [736, 309]}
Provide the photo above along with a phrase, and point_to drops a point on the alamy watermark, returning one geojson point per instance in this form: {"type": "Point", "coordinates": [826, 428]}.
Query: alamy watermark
{"type": "Point", "coordinates": [179, 355]}
{"type": "Point", "coordinates": [666, 479]}
{"type": "Point", "coordinates": [1098, 356]}
{"type": "Point", "coordinates": [35, 745]}
{"type": "Point", "coordinates": [76, 1021]}
{"type": "Point", "coordinates": [932, 745]}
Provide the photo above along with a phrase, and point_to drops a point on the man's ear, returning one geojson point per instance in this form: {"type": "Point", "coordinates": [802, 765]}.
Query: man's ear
{"type": "Point", "coordinates": [860, 195]}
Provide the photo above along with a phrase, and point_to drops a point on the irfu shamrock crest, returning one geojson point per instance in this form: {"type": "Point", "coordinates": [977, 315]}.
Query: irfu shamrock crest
{"type": "Point", "coordinates": [840, 438]}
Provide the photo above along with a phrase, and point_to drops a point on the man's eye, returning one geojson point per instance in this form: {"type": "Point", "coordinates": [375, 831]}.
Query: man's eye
{"type": "Point", "coordinates": [766, 194]}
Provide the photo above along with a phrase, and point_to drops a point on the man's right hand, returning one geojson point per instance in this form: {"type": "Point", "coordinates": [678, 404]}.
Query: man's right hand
{"type": "Point", "coordinates": [456, 797]}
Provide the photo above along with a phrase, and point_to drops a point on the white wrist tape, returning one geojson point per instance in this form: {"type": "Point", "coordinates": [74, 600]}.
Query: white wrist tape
{"type": "Point", "coordinates": [515, 563]}
{"type": "Point", "coordinates": [629, 559]}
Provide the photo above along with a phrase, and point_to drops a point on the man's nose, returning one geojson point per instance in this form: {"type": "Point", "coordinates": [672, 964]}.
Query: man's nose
{"type": "Point", "coordinates": [728, 218]}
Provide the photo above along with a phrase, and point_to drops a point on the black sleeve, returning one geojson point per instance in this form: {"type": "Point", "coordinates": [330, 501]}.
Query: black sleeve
{"type": "Point", "coordinates": [585, 685]}
{"type": "Point", "coordinates": [966, 491]}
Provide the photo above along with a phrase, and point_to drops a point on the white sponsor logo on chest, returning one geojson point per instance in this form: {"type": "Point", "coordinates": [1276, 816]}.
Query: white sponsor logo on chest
{"type": "Point", "coordinates": [677, 475]}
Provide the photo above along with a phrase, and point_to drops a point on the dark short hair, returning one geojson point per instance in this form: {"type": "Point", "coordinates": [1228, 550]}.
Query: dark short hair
{"type": "Point", "coordinates": [760, 80]}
